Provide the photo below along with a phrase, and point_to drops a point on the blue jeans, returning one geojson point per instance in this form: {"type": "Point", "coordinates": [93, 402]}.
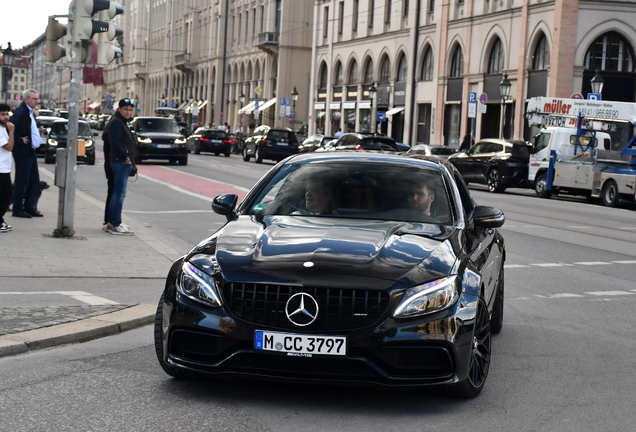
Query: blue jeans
{"type": "Point", "coordinates": [121, 170]}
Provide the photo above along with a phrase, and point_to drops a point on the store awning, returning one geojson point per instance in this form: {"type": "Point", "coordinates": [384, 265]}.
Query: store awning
{"type": "Point", "coordinates": [246, 107]}
{"type": "Point", "coordinates": [320, 114]}
{"type": "Point", "coordinates": [267, 104]}
{"type": "Point", "coordinates": [183, 105]}
{"type": "Point", "coordinates": [204, 103]}
{"type": "Point", "coordinates": [392, 111]}
{"type": "Point", "coordinates": [95, 105]}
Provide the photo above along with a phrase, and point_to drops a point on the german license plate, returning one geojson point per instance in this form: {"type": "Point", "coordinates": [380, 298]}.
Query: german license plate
{"type": "Point", "coordinates": [216, 141]}
{"type": "Point", "coordinates": [300, 344]}
{"type": "Point", "coordinates": [164, 145]}
{"type": "Point", "coordinates": [282, 143]}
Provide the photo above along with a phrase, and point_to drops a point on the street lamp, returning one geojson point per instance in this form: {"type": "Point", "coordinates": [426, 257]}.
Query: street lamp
{"type": "Point", "coordinates": [373, 91]}
{"type": "Point", "coordinates": [504, 91]}
{"type": "Point", "coordinates": [294, 95]}
{"type": "Point", "coordinates": [597, 83]}
{"type": "Point", "coordinates": [8, 55]}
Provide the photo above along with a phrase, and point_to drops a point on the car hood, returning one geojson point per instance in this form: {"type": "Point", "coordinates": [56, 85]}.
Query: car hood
{"type": "Point", "coordinates": [163, 135]}
{"type": "Point", "coordinates": [349, 253]}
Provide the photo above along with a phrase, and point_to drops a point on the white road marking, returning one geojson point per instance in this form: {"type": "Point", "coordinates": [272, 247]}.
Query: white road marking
{"type": "Point", "coordinates": [583, 263]}
{"type": "Point", "coordinates": [579, 227]}
{"type": "Point", "coordinates": [591, 263]}
{"type": "Point", "coordinates": [565, 295]}
{"type": "Point", "coordinates": [207, 179]}
{"type": "Point", "coordinates": [176, 188]}
{"type": "Point", "coordinates": [627, 228]}
{"type": "Point", "coordinates": [547, 265]}
{"type": "Point", "coordinates": [81, 296]}
{"type": "Point", "coordinates": [511, 266]}
{"type": "Point", "coordinates": [624, 262]}
{"type": "Point", "coordinates": [609, 293]}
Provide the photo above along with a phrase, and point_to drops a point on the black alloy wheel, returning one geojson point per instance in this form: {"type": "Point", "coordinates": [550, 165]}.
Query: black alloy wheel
{"type": "Point", "coordinates": [479, 358]}
{"type": "Point", "coordinates": [494, 181]}
{"type": "Point", "coordinates": [541, 186]}
{"type": "Point", "coordinates": [246, 157]}
{"type": "Point", "coordinates": [197, 147]}
{"type": "Point", "coordinates": [170, 370]}
{"type": "Point", "coordinates": [258, 155]}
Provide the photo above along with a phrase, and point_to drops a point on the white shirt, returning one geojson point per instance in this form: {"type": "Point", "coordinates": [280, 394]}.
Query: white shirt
{"type": "Point", "coordinates": [5, 155]}
{"type": "Point", "coordinates": [35, 132]}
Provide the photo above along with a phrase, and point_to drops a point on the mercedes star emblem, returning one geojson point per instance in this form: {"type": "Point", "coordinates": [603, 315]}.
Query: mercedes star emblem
{"type": "Point", "coordinates": [301, 309]}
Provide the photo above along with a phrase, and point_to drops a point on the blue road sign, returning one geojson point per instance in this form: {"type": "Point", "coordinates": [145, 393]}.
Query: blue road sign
{"type": "Point", "coordinates": [110, 106]}
{"type": "Point", "coordinates": [594, 96]}
{"type": "Point", "coordinates": [381, 116]}
{"type": "Point", "coordinates": [472, 97]}
{"type": "Point", "coordinates": [109, 97]}
{"type": "Point", "coordinates": [483, 98]}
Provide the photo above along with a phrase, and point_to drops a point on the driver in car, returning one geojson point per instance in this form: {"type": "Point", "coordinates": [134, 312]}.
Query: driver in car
{"type": "Point", "coordinates": [319, 198]}
{"type": "Point", "coordinates": [422, 195]}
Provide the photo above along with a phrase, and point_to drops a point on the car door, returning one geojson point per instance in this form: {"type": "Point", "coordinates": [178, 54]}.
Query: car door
{"type": "Point", "coordinates": [465, 162]}
{"type": "Point", "coordinates": [192, 139]}
{"type": "Point", "coordinates": [481, 161]}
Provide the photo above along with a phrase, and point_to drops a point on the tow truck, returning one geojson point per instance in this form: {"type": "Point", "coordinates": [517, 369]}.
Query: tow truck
{"type": "Point", "coordinates": [585, 147]}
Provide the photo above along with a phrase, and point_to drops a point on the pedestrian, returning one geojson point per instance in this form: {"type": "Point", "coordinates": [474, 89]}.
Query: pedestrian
{"type": "Point", "coordinates": [26, 140]}
{"type": "Point", "coordinates": [338, 134]}
{"type": "Point", "coordinates": [122, 154]}
{"type": "Point", "coordinates": [110, 177]}
{"type": "Point", "coordinates": [6, 145]}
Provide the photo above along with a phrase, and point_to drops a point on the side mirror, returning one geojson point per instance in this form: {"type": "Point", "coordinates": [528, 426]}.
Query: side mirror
{"type": "Point", "coordinates": [225, 205]}
{"type": "Point", "coordinates": [488, 217]}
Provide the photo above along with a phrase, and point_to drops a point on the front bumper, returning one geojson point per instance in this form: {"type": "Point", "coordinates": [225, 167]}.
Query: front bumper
{"type": "Point", "coordinates": [434, 349]}
{"type": "Point", "coordinates": [89, 154]}
{"type": "Point", "coordinates": [161, 151]}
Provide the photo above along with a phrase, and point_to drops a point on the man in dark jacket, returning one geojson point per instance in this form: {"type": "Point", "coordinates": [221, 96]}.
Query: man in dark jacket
{"type": "Point", "coordinates": [122, 154]}
{"type": "Point", "coordinates": [26, 140]}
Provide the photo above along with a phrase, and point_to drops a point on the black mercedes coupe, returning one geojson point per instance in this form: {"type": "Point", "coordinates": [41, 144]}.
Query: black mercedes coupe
{"type": "Point", "coordinates": [344, 267]}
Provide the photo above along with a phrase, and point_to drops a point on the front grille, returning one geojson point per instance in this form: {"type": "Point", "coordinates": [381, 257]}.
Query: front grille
{"type": "Point", "coordinates": [339, 309]}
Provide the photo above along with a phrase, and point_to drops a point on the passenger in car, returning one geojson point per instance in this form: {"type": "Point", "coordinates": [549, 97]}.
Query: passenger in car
{"type": "Point", "coordinates": [319, 197]}
{"type": "Point", "coordinates": [422, 195]}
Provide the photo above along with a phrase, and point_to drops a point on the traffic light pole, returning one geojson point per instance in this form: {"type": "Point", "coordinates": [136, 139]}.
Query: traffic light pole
{"type": "Point", "coordinates": [66, 203]}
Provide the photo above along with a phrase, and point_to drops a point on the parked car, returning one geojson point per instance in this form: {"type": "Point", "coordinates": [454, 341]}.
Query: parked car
{"type": "Point", "coordinates": [495, 162]}
{"type": "Point", "coordinates": [314, 142]}
{"type": "Point", "coordinates": [403, 147]}
{"type": "Point", "coordinates": [159, 138]}
{"type": "Point", "coordinates": [57, 138]}
{"type": "Point", "coordinates": [102, 121]}
{"type": "Point", "coordinates": [359, 141]}
{"type": "Point", "coordinates": [270, 143]}
{"type": "Point", "coordinates": [46, 112]}
{"type": "Point", "coordinates": [327, 146]}
{"type": "Point", "coordinates": [439, 151]}
{"type": "Point", "coordinates": [370, 290]}
{"type": "Point", "coordinates": [184, 128]}
{"type": "Point", "coordinates": [210, 140]}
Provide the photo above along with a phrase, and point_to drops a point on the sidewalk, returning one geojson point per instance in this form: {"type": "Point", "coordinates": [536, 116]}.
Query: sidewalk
{"type": "Point", "coordinates": [30, 251]}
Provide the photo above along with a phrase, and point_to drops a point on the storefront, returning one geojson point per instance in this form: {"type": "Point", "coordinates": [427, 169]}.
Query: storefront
{"type": "Point", "coordinates": [382, 98]}
{"type": "Point", "coordinates": [320, 110]}
{"type": "Point", "coordinates": [335, 106]}
{"type": "Point", "coordinates": [349, 106]}
{"type": "Point", "coordinates": [396, 114]}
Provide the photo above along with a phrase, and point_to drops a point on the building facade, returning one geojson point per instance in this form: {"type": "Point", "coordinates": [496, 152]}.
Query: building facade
{"type": "Point", "coordinates": [200, 56]}
{"type": "Point", "coordinates": [15, 77]}
{"type": "Point", "coordinates": [424, 57]}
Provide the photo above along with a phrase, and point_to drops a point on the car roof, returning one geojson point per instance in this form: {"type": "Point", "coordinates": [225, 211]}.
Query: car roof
{"type": "Point", "coordinates": [506, 142]}
{"type": "Point", "coordinates": [354, 156]}
{"type": "Point", "coordinates": [63, 120]}
{"type": "Point", "coordinates": [48, 118]}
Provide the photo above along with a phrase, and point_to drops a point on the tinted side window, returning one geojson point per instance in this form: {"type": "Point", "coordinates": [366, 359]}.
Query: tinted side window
{"type": "Point", "coordinates": [520, 150]}
{"type": "Point", "coordinates": [478, 149]}
{"type": "Point", "coordinates": [542, 142]}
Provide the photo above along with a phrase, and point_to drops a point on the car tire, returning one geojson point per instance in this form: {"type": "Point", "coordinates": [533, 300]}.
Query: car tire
{"type": "Point", "coordinates": [49, 160]}
{"type": "Point", "coordinates": [227, 154]}
{"type": "Point", "coordinates": [183, 161]}
{"type": "Point", "coordinates": [494, 181]}
{"type": "Point", "coordinates": [541, 186]}
{"type": "Point", "coordinates": [197, 148]}
{"type": "Point", "coordinates": [170, 370]}
{"type": "Point", "coordinates": [172, 161]}
{"type": "Point", "coordinates": [496, 320]}
{"type": "Point", "coordinates": [479, 358]}
{"type": "Point", "coordinates": [258, 156]}
{"type": "Point", "coordinates": [610, 195]}
{"type": "Point", "coordinates": [91, 161]}
{"type": "Point", "coordinates": [246, 157]}
{"type": "Point", "coordinates": [216, 153]}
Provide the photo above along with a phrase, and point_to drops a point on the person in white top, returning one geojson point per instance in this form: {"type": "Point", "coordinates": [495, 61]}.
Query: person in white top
{"type": "Point", "coordinates": [6, 146]}
{"type": "Point", "coordinates": [338, 134]}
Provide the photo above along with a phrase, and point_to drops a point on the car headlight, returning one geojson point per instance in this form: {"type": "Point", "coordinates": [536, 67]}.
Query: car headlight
{"type": "Point", "coordinates": [197, 285]}
{"type": "Point", "coordinates": [428, 298]}
{"type": "Point", "coordinates": [51, 142]}
{"type": "Point", "coordinates": [143, 140]}
{"type": "Point", "coordinates": [180, 141]}
{"type": "Point", "coordinates": [88, 143]}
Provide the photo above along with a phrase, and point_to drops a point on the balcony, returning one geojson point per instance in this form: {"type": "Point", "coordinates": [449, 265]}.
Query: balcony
{"type": "Point", "coordinates": [268, 42]}
{"type": "Point", "coordinates": [182, 62]}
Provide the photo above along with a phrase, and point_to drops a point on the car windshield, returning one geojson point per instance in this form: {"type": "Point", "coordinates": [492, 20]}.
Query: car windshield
{"type": "Point", "coordinates": [157, 125]}
{"type": "Point", "coordinates": [62, 129]}
{"type": "Point", "coordinates": [375, 143]}
{"type": "Point", "coordinates": [361, 190]}
{"type": "Point", "coordinates": [281, 135]}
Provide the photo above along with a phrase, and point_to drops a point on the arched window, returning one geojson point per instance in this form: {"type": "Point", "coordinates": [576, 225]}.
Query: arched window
{"type": "Point", "coordinates": [353, 73]}
{"type": "Point", "coordinates": [541, 58]}
{"type": "Point", "coordinates": [610, 52]}
{"type": "Point", "coordinates": [385, 70]}
{"type": "Point", "coordinates": [338, 76]}
{"type": "Point", "coordinates": [496, 60]}
{"type": "Point", "coordinates": [457, 64]}
{"type": "Point", "coordinates": [368, 72]}
{"type": "Point", "coordinates": [427, 65]}
{"type": "Point", "coordinates": [323, 76]}
{"type": "Point", "coordinates": [402, 69]}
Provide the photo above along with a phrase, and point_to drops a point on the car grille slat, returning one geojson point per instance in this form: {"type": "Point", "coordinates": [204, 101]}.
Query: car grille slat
{"type": "Point", "coordinates": [338, 309]}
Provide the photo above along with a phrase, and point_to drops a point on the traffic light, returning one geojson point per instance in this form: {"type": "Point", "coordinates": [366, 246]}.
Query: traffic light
{"type": "Point", "coordinates": [54, 31]}
{"type": "Point", "coordinates": [106, 52]}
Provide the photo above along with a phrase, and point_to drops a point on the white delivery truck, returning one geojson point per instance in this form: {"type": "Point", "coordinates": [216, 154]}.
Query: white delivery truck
{"type": "Point", "coordinates": [584, 148]}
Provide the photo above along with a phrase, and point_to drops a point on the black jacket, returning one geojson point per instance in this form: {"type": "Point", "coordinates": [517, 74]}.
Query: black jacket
{"type": "Point", "coordinates": [119, 140]}
{"type": "Point", "coordinates": [21, 118]}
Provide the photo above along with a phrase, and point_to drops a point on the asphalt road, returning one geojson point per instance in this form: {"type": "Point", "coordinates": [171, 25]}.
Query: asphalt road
{"type": "Point", "coordinates": [564, 360]}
